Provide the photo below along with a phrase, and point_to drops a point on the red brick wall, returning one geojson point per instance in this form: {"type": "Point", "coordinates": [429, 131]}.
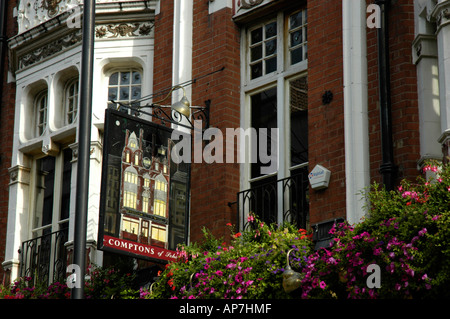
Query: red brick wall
{"type": "Point", "coordinates": [162, 69]}
{"type": "Point", "coordinates": [405, 117]}
{"type": "Point", "coordinates": [326, 121]}
{"type": "Point", "coordinates": [215, 45]}
{"type": "Point", "coordinates": [6, 132]}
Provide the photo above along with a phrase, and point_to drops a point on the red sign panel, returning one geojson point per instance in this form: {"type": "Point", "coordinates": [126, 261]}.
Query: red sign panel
{"type": "Point", "coordinates": [138, 248]}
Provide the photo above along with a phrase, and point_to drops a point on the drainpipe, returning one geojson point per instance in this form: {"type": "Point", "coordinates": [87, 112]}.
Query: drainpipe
{"type": "Point", "coordinates": [182, 51]}
{"type": "Point", "coordinates": [356, 123]}
{"type": "Point", "coordinates": [388, 169]}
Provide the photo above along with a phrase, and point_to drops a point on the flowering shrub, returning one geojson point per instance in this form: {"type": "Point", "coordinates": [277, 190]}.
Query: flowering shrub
{"type": "Point", "coordinates": [109, 283]}
{"type": "Point", "coordinates": [405, 235]}
{"type": "Point", "coordinates": [24, 289]}
{"type": "Point", "coordinates": [251, 266]}
{"type": "Point", "coordinates": [102, 283]}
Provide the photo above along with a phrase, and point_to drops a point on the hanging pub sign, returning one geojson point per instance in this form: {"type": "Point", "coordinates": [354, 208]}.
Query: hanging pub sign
{"type": "Point", "coordinates": [144, 194]}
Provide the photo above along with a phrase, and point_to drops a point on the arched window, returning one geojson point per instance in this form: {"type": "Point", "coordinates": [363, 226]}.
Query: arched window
{"type": "Point", "coordinates": [71, 101]}
{"type": "Point", "coordinates": [41, 107]}
{"type": "Point", "coordinates": [124, 87]}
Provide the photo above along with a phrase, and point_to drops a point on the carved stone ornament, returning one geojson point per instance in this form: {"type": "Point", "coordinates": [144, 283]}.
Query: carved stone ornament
{"type": "Point", "coordinates": [54, 47]}
{"type": "Point", "coordinates": [123, 30]}
{"type": "Point", "coordinates": [52, 6]}
{"type": "Point", "coordinates": [247, 4]}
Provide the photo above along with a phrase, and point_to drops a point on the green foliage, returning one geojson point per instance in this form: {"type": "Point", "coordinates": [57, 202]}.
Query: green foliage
{"type": "Point", "coordinates": [23, 288]}
{"type": "Point", "coordinates": [102, 283]}
{"type": "Point", "coordinates": [406, 233]}
{"type": "Point", "coordinates": [109, 283]}
{"type": "Point", "coordinates": [251, 266]}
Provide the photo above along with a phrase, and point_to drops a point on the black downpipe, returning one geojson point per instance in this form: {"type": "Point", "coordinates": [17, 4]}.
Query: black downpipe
{"type": "Point", "coordinates": [388, 169]}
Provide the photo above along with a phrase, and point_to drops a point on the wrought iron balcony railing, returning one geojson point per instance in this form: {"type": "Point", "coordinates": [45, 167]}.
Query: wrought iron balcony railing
{"type": "Point", "coordinates": [289, 196]}
{"type": "Point", "coordinates": [44, 258]}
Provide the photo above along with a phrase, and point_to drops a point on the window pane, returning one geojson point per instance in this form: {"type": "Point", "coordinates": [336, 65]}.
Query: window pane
{"type": "Point", "coordinates": [271, 30]}
{"type": "Point", "coordinates": [66, 183]}
{"type": "Point", "coordinates": [124, 78]}
{"type": "Point", "coordinates": [297, 55]}
{"type": "Point", "coordinates": [296, 38]}
{"type": "Point", "coordinates": [114, 79]}
{"type": "Point", "coordinates": [271, 47]}
{"type": "Point", "coordinates": [299, 120]}
{"type": "Point", "coordinates": [296, 20]}
{"type": "Point", "coordinates": [136, 78]}
{"type": "Point", "coordinates": [45, 176]}
{"type": "Point", "coordinates": [256, 36]}
{"type": "Point", "coordinates": [112, 94]}
{"type": "Point", "coordinates": [256, 70]}
{"type": "Point", "coordinates": [135, 92]}
{"type": "Point", "coordinates": [124, 94]}
{"type": "Point", "coordinates": [271, 65]}
{"type": "Point", "coordinates": [263, 115]}
{"type": "Point", "coordinates": [256, 53]}
{"type": "Point", "coordinates": [41, 112]}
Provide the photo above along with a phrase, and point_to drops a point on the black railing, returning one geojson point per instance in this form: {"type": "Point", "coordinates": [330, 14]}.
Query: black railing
{"type": "Point", "coordinates": [44, 258]}
{"type": "Point", "coordinates": [265, 200]}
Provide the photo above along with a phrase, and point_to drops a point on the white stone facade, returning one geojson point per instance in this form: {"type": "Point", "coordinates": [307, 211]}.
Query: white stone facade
{"type": "Point", "coordinates": [46, 57]}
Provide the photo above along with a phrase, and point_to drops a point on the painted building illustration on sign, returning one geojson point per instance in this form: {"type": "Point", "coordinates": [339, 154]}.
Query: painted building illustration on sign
{"type": "Point", "coordinates": [144, 191]}
{"type": "Point", "coordinates": [144, 194]}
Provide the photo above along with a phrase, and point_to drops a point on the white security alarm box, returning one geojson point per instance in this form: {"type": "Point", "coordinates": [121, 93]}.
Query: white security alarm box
{"type": "Point", "coordinates": [319, 177]}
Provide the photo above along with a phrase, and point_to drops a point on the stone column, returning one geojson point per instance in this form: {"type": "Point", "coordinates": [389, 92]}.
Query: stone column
{"type": "Point", "coordinates": [425, 57]}
{"type": "Point", "coordinates": [441, 14]}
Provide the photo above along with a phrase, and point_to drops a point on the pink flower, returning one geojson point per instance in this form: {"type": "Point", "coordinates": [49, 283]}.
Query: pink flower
{"type": "Point", "coordinates": [322, 284]}
{"type": "Point", "coordinates": [219, 273]}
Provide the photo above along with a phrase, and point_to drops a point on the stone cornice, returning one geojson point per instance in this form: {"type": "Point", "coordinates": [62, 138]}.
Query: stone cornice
{"type": "Point", "coordinates": [114, 20]}
{"type": "Point", "coordinates": [441, 14]}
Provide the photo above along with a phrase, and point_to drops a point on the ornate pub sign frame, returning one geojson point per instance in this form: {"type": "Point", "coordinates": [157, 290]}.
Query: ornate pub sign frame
{"type": "Point", "coordinates": [144, 200]}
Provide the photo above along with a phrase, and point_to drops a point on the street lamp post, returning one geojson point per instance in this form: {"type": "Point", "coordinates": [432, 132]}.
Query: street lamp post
{"type": "Point", "coordinates": [84, 141]}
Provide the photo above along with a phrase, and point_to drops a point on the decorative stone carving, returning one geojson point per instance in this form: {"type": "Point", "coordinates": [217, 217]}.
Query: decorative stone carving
{"type": "Point", "coordinates": [123, 30]}
{"type": "Point", "coordinates": [247, 4]}
{"type": "Point", "coordinates": [50, 49]}
{"type": "Point", "coordinates": [52, 6]}
{"type": "Point", "coordinates": [19, 174]}
{"type": "Point", "coordinates": [31, 13]}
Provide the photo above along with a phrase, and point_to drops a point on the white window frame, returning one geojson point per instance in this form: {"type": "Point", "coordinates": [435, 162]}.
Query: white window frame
{"type": "Point", "coordinates": [279, 79]}
{"type": "Point", "coordinates": [41, 107]}
{"type": "Point", "coordinates": [69, 97]}
{"type": "Point", "coordinates": [118, 85]}
{"type": "Point", "coordinates": [57, 195]}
